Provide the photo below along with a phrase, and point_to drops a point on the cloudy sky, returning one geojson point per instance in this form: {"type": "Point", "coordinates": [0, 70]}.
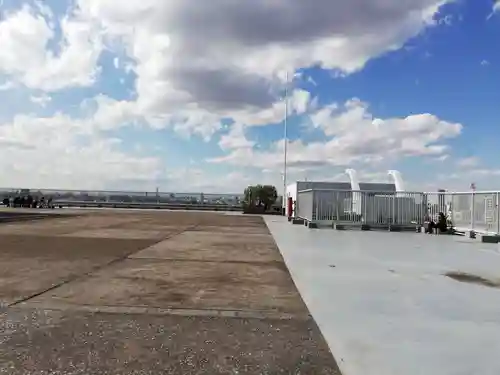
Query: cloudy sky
{"type": "Point", "coordinates": [190, 95]}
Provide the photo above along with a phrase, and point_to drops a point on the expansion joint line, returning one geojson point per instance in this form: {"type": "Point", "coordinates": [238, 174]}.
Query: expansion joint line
{"type": "Point", "coordinates": [93, 270]}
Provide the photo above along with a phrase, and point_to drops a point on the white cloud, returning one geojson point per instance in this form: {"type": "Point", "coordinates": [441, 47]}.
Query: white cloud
{"type": "Point", "coordinates": [495, 9]}
{"type": "Point", "coordinates": [24, 37]}
{"type": "Point", "coordinates": [496, 6]}
{"type": "Point", "coordinates": [201, 63]}
{"type": "Point", "coordinates": [60, 152]}
{"type": "Point", "coordinates": [353, 136]}
{"type": "Point", "coordinates": [225, 59]}
{"type": "Point", "coordinates": [443, 157]}
{"type": "Point", "coordinates": [485, 63]}
{"type": "Point", "coordinates": [469, 162]}
{"type": "Point", "coordinates": [485, 179]}
{"type": "Point", "coordinates": [196, 64]}
{"type": "Point", "coordinates": [235, 139]}
{"type": "Point", "coordinates": [446, 20]}
{"type": "Point", "coordinates": [202, 181]}
{"type": "Point", "coordinates": [5, 86]}
{"type": "Point", "coordinates": [312, 81]}
{"type": "Point", "coordinates": [486, 172]}
{"type": "Point", "coordinates": [42, 100]}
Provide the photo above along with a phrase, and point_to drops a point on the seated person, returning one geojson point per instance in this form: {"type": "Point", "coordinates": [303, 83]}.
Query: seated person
{"type": "Point", "coordinates": [429, 225]}
{"type": "Point", "coordinates": [442, 225]}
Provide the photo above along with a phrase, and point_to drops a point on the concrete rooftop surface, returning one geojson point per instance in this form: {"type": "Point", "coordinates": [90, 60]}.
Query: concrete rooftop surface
{"type": "Point", "coordinates": [398, 303]}
{"type": "Point", "coordinates": [130, 292]}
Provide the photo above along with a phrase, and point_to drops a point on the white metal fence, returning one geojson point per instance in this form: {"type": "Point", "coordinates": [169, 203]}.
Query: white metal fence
{"type": "Point", "coordinates": [472, 211]}
{"type": "Point", "coordinates": [476, 211]}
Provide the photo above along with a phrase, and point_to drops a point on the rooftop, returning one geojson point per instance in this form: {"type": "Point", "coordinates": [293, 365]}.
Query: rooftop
{"type": "Point", "coordinates": [385, 304]}
{"type": "Point", "coordinates": [147, 292]}
{"type": "Point", "coordinates": [142, 291]}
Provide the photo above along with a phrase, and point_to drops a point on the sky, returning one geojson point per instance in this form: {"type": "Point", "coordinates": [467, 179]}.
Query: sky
{"type": "Point", "coordinates": [193, 95]}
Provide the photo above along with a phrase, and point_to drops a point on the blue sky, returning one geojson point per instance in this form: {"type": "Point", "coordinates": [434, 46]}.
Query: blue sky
{"type": "Point", "coordinates": [189, 97]}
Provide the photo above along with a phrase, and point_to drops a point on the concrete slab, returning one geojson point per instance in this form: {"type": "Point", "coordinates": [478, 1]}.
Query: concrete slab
{"type": "Point", "coordinates": [145, 226]}
{"type": "Point", "coordinates": [386, 304]}
{"type": "Point", "coordinates": [189, 285]}
{"type": "Point", "coordinates": [23, 278]}
{"type": "Point", "coordinates": [230, 253]}
{"type": "Point", "coordinates": [231, 229]}
{"type": "Point", "coordinates": [64, 224]}
{"type": "Point", "coordinates": [215, 247]}
{"type": "Point", "coordinates": [23, 247]}
{"type": "Point", "coordinates": [119, 234]}
{"type": "Point", "coordinates": [99, 221]}
{"type": "Point", "coordinates": [223, 238]}
{"type": "Point", "coordinates": [30, 264]}
{"type": "Point", "coordinates": [39, 228]}
{"type": "Point", "coordinates": [233, 221]}
{"type": "Point", "coordinates": [55, 342]}
{"type": "Point", "coordinates": [216, 317]}
{"type": "Point", "coordinates": [8, 217]}
{"type": "Point", "coordinates": [169, 218]}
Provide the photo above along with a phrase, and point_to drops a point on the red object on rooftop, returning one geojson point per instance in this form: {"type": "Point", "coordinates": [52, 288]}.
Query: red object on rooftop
{"type": "Point", "coordinates": [289, 207]}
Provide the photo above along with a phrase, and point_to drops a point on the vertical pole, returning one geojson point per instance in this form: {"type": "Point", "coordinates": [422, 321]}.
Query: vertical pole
{"type": "Point", "coordinates": [393, 214]}
{"type": "Point", "coordinates": [364, 202]}
{"type": "Point", "coordinates": [285, 143]}
{"type": "Point", "coordinates": [473, 211]}
{"type": "Point", "coordinates": [498, 213]}
{"type": "Point", "coordinates": [314, 206]}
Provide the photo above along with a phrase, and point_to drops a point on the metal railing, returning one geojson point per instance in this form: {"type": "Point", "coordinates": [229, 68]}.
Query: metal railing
{"type": "Point", "coordinates": [471, 211]}
{"type": "Point", "coordinates": [468, 211]}
{"type": "Point", "coordinates": [131, 199]}
{"type": "Point", "coordinates": [127, 197]}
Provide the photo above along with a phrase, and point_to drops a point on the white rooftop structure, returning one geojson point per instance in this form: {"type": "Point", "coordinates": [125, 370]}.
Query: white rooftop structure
{"type": "Point", "coordinates": [354, 184]}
